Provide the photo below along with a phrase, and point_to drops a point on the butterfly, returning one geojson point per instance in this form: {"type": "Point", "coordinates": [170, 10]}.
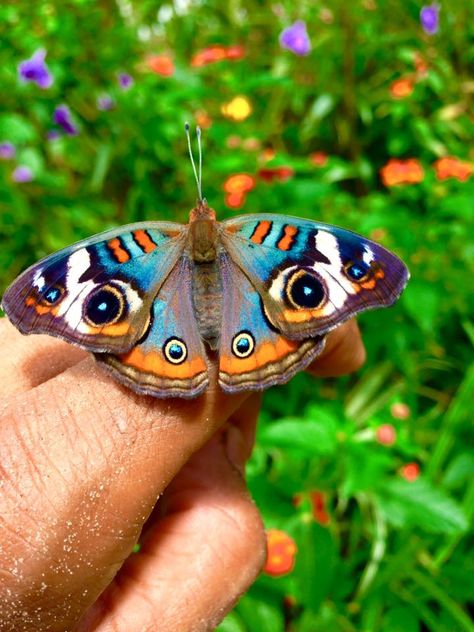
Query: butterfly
{"type": "Point", "coordinates": [157, 301]}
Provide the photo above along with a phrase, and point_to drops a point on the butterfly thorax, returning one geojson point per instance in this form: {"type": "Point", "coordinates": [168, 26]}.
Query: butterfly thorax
{"type": "Point", "coordinates": [203, 243]}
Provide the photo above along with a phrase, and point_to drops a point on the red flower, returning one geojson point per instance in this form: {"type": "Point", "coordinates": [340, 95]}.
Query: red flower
{"type": "Point", "coordinates": [451, 167]}
{"type": "Point", "coordinates": [161, 65]}
{"type": "Point", "coordinates": [397, 172]}
{"type": "Point", "coordinates": [216, 53]}
{"type": "Point", "coordinates": [318, 502]}
{"type": "Point", "coordinates": [386, 434]}
{"type": "Point", "coordinates": [281, 552]}
{"type": "Point", "coordinates": [401, 88]}
{"type": "Point", "coordinates": [235, 52]}
{"type": "Point", "coordinates": [318, 158]}
{"type": "Point", "coordinates": [236, 187]}
{"type": "Point", "coordinates": [269, 174]}
{"type": "Point", "coordinates": [410, 472]}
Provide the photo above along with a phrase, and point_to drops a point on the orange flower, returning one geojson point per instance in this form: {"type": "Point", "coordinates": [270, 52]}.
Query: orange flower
{"type": "Point", "coordinates": [203, 119]}
{"type": "Point", "coordinates": [269, 174]}
{"type": "Point", "coordinates": [239, 183]}
{"type": "Point", "coordinates": [386, 434]}
{"type": "Point", "coordinates": [401, 88]}
{"type": "Point", "coordinates": [318, 158]}
{"type": "Point", "coordinates": [281, 552]}
{"type": "Point", "coordinates": [451, 167]}
{"type": "Point", "coordinates": [217, 53]}
{"type": "Point", "coordinates": [397, 172]}
{"type": "Point", "coordinates": [235, 200]}
{"type": "Point", "coordinates": [420, 64]}
{"type": "Point", "coordinates": [318, 502]}
{"type": "Point", "coordinates": [161, 65]}
{"type": "Point", "coordinates": [268, 154]}
{"type": "Point", "coordinates": [235, 52]}
{"type": "Point", "coordinates": [399, 410]}
{"type": "Point", "coordinates": [410, 472]}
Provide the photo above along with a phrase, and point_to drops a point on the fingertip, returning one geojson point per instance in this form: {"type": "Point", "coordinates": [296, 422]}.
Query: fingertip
{"type": "Point", "coordinates": [344, 352]}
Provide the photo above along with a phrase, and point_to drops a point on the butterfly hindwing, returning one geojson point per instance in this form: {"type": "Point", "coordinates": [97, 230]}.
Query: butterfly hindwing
{"type": "Point", "coordinates": [253, 354]}
{"type": "Point", "coordinates": [169, 360]}
{"type": "Point", "coordinates": [97, 293]}
{"type": "Point", "coordinates": [311, 276]}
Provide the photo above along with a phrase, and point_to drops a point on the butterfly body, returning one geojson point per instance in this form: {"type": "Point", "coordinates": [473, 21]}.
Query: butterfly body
{"type": "Point", "coordinates": [155, 300]}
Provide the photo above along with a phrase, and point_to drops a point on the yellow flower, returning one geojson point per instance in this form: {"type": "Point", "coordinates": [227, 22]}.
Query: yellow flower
{"type": "Point", "coordinates": [238, 109]}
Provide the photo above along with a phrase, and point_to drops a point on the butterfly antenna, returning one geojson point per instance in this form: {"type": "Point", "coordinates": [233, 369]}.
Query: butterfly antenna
{"type": "Point", "coordinates": [198, 178]}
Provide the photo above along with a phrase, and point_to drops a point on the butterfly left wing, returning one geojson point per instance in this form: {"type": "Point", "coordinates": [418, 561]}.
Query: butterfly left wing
{"type": "Point", "coordinates": [253, 354]}
{"type": "Point", "coordinates": [310, 276]}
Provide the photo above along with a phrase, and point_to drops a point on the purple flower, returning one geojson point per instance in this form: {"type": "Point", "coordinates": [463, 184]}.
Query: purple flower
{"type": "Point", "coordinates": [62, 117]}
{"type": "Point", "coordinates": [295, 38]}
{"type": "Point", "coordinates": [7, 150]}
{"type": "Point", "coordinates": [125, 80]}
{"type": "Point", "coordinates": [22, 173]}
{"type": "Point", "coordinates": [429, 18]}
{"type": "Point", "coordinates": [36, 70]}
{"type": "Point", "coordinates": [52, 134]}
{"type": "Point", "coordinates": [105, 103]}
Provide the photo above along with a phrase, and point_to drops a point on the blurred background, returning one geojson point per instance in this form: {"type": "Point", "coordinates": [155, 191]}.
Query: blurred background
{"type": "Point", "coordinates": [357, 114]}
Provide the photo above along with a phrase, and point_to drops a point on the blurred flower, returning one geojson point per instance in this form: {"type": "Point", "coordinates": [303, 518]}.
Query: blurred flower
{"type": "Point", "coordinates": [36, 70]}
{"type": "Point", "coordinates": [105, 103]}
{"type": "Point", "coordinates": [251, 144]}
{"type": "Point", "coordinates": [7, 150]}
{"type": "Point", "coordinates": [160, 65]}
{"type": "Point", "coordinates": [295, 38]}
{"type": "Point", "coordinates": [401, 88]}
{"type": "Point", "coordinates": [217, 53]}
{"type": "Point", "coordinates": [399, 410]}
{"type": "Point", "coordinates": [235, 52]}
{"type": "Point", "coordinates": [281, 552]}
{"type": "Point", "coordinates": [318, 158]}
{"type": "Point", "coordinates": [318, 503]}
{"type": "Point", "coordinates": [238, 109]}
{"type": "Point", "coordinates": [429, 18]}
{"type": "Point", "coordinates": [326, 15]}
{"type": "Point", "coordinates": [125, 80]}
{"type": "Point", "coordinates": [268, 154]}
{"type": "Point", "coordinates": [233, 141]}
{"type": "Point", "coordinates": [203, 119]}
{"type": "Point", "coordinates": [397, 172]}
{"type": "Point", "coordinates": [451, 167]}
{"type": "Point", "coordinates": [235, 200]}
{"type": "Point", "coordinates": [386, 434]}
{"type": "Point", "coordinates": [420, 64]}
{"type": "Point", "coordinates": [53, 134]}
{"type": "Point", "coordinates": [62, 117]}
{"type": "Point", "coordinates": [378, 234]}
{"type": "Point", "coordinates": [239, 183]}
{"type": "Point", "coordinates": [270, 174]}
{"type": "Point", "coordinates": [410, 472]}
{"type": "Point", "coordinates": [22, 173]}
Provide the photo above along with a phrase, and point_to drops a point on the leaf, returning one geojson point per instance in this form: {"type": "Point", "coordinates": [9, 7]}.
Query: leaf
{"type": "Point", "coordinates": [232, 623]}
{"type": "Point", "coordinates": [16, 129]}
{"type": "Point", "coordinates": [421, 301]}
{"type": "Point", "coordinates": [317, 436]}
{"type": "Point", "coordinates": [260, 615]}
{"type": "Point", "coordinates": [459, 471]}
{"type": "Point", "coordinates": [419, 504]}
{"type": "Point", "coordinates": [401, 619]}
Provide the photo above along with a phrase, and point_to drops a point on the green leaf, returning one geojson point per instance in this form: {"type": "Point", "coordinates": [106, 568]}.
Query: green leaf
{"type": "Point", "coordinates": [16, 129]}
{"type": "Point", "coordinates": [421, 301]}
{"type": "Point", "coordinates": [401, 619]}
{"type": "Point", "coordinates": [459, 471]}
{"type": "Point", "coordinates": [312, 437]}
{"type": "Point", "coordinates": [264, 616]}
{"type": "Point", "coordinates": [232, 623]}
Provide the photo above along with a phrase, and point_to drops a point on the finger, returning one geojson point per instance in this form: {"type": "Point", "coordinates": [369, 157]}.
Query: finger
{"type": "Point", "coordinates": [344, 352]}
{"type": "Point", "coordinates": [204, 552]}
{"type": "Point", "coordinates": [30, 360]}
{"type": "Point", "coordinates": [84, 461]}
{"type": "Point", "coordinates": [245, 418]}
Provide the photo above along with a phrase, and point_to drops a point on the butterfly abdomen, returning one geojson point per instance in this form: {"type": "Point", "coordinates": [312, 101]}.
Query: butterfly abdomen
{"type": "Point", "coordinates": [207, 300]}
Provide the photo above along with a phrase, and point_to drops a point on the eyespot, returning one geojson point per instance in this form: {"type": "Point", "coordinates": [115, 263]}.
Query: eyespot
{"type": "Point", "coordinates": [357, 270]}
{"type": "Point", "coordinates": [305, 290]}
{"type": "Point", "coordinates": [105, 306]}
{"type": "Point", "coordinates": [52, 294]}
{"type": "Point", "coordinates": [243, 344]}
{"type": "Point", "coordinates": [175, 351]}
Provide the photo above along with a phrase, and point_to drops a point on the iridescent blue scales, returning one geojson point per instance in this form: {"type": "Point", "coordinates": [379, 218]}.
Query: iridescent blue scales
{"type": "Point", "coordinates": [155, 301]}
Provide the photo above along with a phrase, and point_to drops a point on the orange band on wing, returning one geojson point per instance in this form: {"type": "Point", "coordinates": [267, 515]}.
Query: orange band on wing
{"type": "Point", "coordinates": [265, 353]}
{"type": "Point", "coordinates": [261, 231]}
{"type": "Point", "coordinates": [289, 233]}
{"type": "Point", "coordinates": [153, 362]}
{"type": "Point", "coordinates": [118, 251]}
{"type": "Point", "coordinates": [144, 240]}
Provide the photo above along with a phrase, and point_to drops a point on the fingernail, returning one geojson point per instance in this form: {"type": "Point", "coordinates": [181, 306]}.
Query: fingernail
{"type": "Point", "coordinates": [236, 448]}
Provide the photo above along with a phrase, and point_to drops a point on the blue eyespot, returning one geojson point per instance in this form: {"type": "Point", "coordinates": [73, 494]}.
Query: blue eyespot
{"type": "Point", "coordinates": [243, 344]}
{"type": "Point", "coordinates": [105, 306]}
{"type": "Point", "coordinates": [51, 295]}
{"type": "Point", "coordinates": [358, 270]}
{"type": "Point", "coordinates": [305, 290]}
{"type": "Point", "coordinates": [175, 350]}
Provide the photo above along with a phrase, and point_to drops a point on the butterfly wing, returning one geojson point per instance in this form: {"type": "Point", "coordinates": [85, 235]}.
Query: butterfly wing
{"type": "Point", "coordinates": [169, 359]}
{"type": "Point", "coordinates": [311, 277]}
{"type": "Point", "coordinates": [253, 353]}
{"type": "Point", "coordinates": [98, 293]}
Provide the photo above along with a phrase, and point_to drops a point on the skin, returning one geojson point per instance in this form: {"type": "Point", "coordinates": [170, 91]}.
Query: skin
{"type": "Point", "coordinates": [83, 462]}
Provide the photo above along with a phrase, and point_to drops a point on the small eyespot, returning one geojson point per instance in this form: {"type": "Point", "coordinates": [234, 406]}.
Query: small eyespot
{"type": "Point", "coordinates": [105, 306]}
{"type": "Point", "coordinates": [305, 290]}
{"type": "Point", "coordinates": [357, 270]}
{"type": "Point", "coordinates": [243, 344]}
{"type": "Point", "coordinates": [52, 294]}
{"type": "Point", "coordinates": [175, 351]}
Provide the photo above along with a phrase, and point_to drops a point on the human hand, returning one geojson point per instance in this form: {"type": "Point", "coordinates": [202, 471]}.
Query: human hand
{"type": "Point", "coordinates": [88, 468]}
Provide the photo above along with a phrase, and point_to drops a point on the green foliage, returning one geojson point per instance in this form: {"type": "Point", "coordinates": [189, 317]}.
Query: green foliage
{"type": "Point", "coordinates": [390, 554]}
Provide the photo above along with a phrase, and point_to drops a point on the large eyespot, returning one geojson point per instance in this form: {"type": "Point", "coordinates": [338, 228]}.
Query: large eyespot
{"type": "Point", "coordinates": [305, 290]}
{"type": "Point", "coordinates": [357, 270]}
{"type": "Point", "coordinates": [105, 306]}
{"type": "Point", "coordinates": [175, 350]}
{"type": "Point", "coordinates": [243, 344]}
{"type": "Point", "coordinates": [52, 294]}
